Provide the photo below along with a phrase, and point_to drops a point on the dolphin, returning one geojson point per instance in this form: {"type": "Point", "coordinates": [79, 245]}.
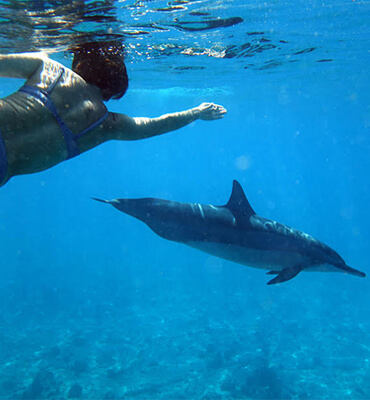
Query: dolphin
{"type": "Point", "coordinates": [236, 233]}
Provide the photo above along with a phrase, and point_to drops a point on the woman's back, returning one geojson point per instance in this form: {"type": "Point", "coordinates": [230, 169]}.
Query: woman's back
{"type": "Point", "coordinates": [29, 128]}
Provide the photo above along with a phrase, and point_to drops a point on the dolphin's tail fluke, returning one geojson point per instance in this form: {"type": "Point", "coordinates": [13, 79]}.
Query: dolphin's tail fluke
{"type": "Point", "coordinates": [129, 206]}
{"type": "Point", "coordinates": [102, 201]}
{"type": "Point", "coordinates": [352, 271]}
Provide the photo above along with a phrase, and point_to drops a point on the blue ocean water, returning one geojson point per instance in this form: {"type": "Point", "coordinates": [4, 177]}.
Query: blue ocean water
{"type": "Point", "coordinates": [94, 305]}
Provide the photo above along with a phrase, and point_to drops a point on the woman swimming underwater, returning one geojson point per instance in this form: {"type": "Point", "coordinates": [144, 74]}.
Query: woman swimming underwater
{"type": "Point", "coordinates": [59, 113]}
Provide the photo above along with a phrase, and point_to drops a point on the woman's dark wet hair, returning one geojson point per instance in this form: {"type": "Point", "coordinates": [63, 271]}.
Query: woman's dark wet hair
{"type": "Point", "coordinates": [102, 64]}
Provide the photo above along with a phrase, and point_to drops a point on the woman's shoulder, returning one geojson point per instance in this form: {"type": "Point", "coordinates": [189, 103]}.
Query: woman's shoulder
{"type": "Point", "coordinates": [50, 72]}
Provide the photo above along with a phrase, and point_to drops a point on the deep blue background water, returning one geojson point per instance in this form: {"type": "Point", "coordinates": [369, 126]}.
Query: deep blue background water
{"type": "Point", "coordinates": [92, 297]}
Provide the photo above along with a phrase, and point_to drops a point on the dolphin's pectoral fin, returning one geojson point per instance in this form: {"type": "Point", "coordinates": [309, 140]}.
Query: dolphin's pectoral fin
{"type": "Point", "coordinates": [285, 275]}
{"type": "Point", "coordinates": [273, 272]}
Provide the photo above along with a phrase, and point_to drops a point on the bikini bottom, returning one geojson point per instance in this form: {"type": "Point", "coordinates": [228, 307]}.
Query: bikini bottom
{"type": "Point", "coordinates": [3, 160]}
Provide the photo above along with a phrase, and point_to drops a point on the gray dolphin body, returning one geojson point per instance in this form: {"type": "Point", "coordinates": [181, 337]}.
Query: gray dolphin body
{"type": "Point", "coordinates": [236, 233]}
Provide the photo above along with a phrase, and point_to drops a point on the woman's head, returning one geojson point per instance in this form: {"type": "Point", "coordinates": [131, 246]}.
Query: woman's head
{"type": "Point", "coordinates": [101, 64]}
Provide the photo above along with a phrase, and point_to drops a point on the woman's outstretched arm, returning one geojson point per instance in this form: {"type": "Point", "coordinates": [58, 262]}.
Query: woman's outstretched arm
{"type": "Point", "coordinates": [126, 128]}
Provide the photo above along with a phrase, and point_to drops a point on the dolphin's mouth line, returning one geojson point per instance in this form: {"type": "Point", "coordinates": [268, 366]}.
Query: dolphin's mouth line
{"type": "Point", "coordinates": [352, 271]}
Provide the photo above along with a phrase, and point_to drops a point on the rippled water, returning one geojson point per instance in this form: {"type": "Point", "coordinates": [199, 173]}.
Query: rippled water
{"type": "Point", "coordinates": [205, 36]}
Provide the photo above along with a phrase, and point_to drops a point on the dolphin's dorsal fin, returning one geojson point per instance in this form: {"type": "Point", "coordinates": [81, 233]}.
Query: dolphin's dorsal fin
{"type": "Point", "coordinates": [238, 202]}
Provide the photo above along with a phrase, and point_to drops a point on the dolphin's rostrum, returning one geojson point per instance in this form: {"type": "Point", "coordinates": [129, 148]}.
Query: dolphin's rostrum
{"type": "Point", "coordinates": [236, 233]}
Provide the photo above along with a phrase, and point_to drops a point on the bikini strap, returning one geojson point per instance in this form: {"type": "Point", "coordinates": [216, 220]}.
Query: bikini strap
{"type": "Point", "coordinates": [56, 80]}
{"type": "Point", "coordinates": [94, 125]}
{"type": "Point", "coordinates": [43, 96]}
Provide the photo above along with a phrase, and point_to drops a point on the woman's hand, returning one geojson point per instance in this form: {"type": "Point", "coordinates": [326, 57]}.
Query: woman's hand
{"type": "Point", "coordinates": [210, 111]}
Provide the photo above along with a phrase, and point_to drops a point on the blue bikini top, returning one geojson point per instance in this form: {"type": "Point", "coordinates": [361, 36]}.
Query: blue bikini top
{"type": "Point", "coordinates": [44, 97]}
